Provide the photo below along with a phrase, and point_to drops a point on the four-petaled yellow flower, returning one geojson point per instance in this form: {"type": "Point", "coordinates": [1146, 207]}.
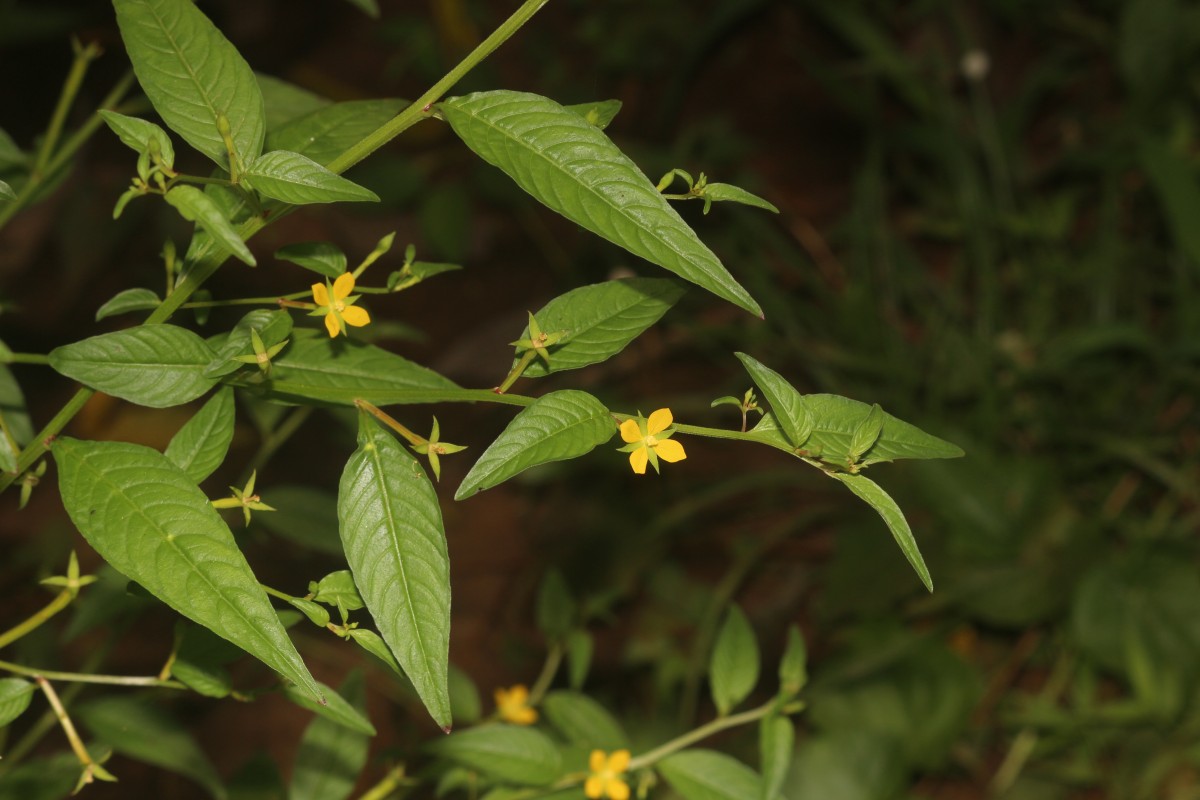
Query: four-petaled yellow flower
{"type": "Point", "coordinates": [513, 706]}
{"type": "Point", "coordinates": [337, 306]}
{"type": "Point", "coordinates": [606, 779]}
{"type": "Point", "coordinates": [648, 440]}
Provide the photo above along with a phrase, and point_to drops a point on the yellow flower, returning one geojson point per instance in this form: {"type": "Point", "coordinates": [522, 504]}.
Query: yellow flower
{"type": "Point", "coordinates": [337, 306]}
{"type": "Point", "coordinates": [513, 705]}
{"type": "Point", "coordinates": [648, 440]}
{"type": "Point", "coordinates": [606, 775]}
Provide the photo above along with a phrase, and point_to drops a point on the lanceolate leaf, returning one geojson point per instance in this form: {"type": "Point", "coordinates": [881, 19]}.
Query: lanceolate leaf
{"type": "Point", "coordinates": [583, 721]}
{"type": "Point", "coordinates": [345, 713]}
{"type": "Point", "coordinates": [137, 133]}
{"type": "Point", "coordinates": [128, 300]}
{"type": "Point", "coordinates": [200, 445]}
{"type": "Point", "coordinates": [136, 728]}
{"type": "Point", "coordinates": [734, 667]}
{"type": "Point", "coordinates": [196, 206]}
{"type": "Point", "coordinates": [601, 320]}
{"type": "Point", "coordinates": [315, 367]}
{"type": "Point", "coordinates": [572, 167]}
{"type": "Point", "coordinates": [776, 742]}
{"type": "Point", "coordinates": [709, 775]}
{"type": "Point", "coordinates": [323, 258]}
{"type": "Point", "coordinates": [787, 404]}
{"type": "Point", "coordinates": [324, 134]}
{"type": "Point", "coordinates": [298, 180]}
{"type": "Point", "coordinates": [558, 426]}
{"type": "Point", "coordinates": [725, 191]}
{"type": "Point", "coordinates": [272, 327]}
{"type": "Point", "coordinates": [330, 756]}
{"type": "Point", "coordinates": [883, 503]}
{"type": "Point", "coordinates": [285, 102]}
{"type": "Point", "coordinates": [151, 365]}
{"type": "Point", "coordinates": [148, 519]}
{"type": "Point", "coordinates": [15, 695]}
{"type": "Point", "coordinates": [509, 753]}
{"type": "Point", "coordinates": [392, 533]}
{"type": "Point", "coordinates": [193, 75]}
{"type": "Point", "coordinates": [599, 113]}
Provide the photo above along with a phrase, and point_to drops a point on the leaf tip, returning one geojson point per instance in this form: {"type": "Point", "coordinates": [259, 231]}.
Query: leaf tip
{"type": "Point", "coordinates": [447, 728]}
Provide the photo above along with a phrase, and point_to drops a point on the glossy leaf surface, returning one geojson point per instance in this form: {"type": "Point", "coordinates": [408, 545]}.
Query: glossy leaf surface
{"type": "Point", "coordinates": [151, 365]}
{"type": "Point", "coordinates": [391, 528]}
{"type": "Point", "coordinates": [148, 519]}
{"type": "Point", "coordinates": [297, 179]}
{"type": "Point", "coordinates": [558, 426]}
{"type": "Point", "coordinates": [198, 207]}
{"type": "Point", "coordinates": [199, 447]}
{"type": "Point", "coordinates": [574, 169]}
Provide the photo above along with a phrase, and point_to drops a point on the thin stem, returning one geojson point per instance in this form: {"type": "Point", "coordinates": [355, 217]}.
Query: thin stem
{"type": "Point", "coordinates": [79, 67]}
{"type": "Point", "coordinates": [390, 783]}
{"type": "Point", "coordinates": [390, 421]}
{"type": "Point", "coordinates": [274, 300]}
{"type": "Point", "coordinates": [35, 449]}
{"type": "Point", "coordinates": [276, 593]}
{"type": "Point", "coordinates": [544, 679]}
{"type": "Point", "coordinates": [81, 752]}
{"type": "Point", "coordinates": [420, 108]}
{"type": "Point", "coordinates": [26, 358]}
{"type": "Point", "coordinates": [515, 372]}
{"type": "Point", "coordinates": [82, 677]}
{"type": "Point", "coordinates": [703, 732]}
{"type": "Point", "coordinates": [276, 439]}
{"type": "Point", "coordinates": [61, 601]}
{"type": "Point", "coordinates": [200, 179]}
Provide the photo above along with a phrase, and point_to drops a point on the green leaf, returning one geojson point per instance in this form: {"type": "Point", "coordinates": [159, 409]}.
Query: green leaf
{"type": "Point", "coordinates": [709, 775]}
{"type": "Point", "coordinates": [579, 657]}
{"type": "Point", "coordinates": [392, 533]}
{"type": "Point", "coordinates": [285, 102]}
{"type": "Point", "coordinates": [583, 721]}
{"type": "Point", "coordinates": [465, 703]}
{"type": "Point", "coordinates": [600, 113]}
{"type": "Point", "coordinates": [128, 300]}
{"type": "Point", "coordinates": [776, 741]}
{"type": "Point", "coordinates": [573, 168]}
{"type": "Point", "coordinates": [331, 756]}
{"type": "Point", "coordinates": [192, 75]}
{"type": "Point", "coordinates": [509, 753]}
{"type": "Point", "coordinates": [150, 365]}
{"type": "Point", "coordinates": [337, 589]}
{"type": "Point", "coordinates": [601, 320]}
{"type": "Point", "coordinates": [305, 515]}
{"type": "Point", "coordinates": [557, 426]}
{"type": "Point", "coordinates": [272, 327]}
{"type": "Point", "coordinates": [136, 727]}
{"type": "Point", "coordinates": [50, 778]}
{"type": "Point", "coordinates": [138, 133]}
{"type": "Point", "coordinates": [6, 192]}
{"type": "Point", "coordinates": [148, 519]}
{"type": "Point", "coordinates": [874, 496]}
{"type": "Point", "coordinates": [351, 716]}
{"type": "Point", "coordinates": [11, 156]}
{"type": "Point", "coordinates": [734, 667]}
{"type": "Point", "coordinates": [866, 433]}
{"type": "Point", "coordinates": [323, 258]}
{"type": "Point", "coordinates": [196, 206]}
{"type": "Point", "coordinates": [793, 666]}
{"type": "Point", "coordinates": [787, 404]}
{"type": "Point", "coordinates": [297, 179]}
{"type": "Point", "coordinates": [723, 191]}
{"type": "Point", "coordinates": [200, 661]}
{"type": "Point", "coordinates": [13, 411]}
{"type": "Point", "coordinates": [199, 447]}
{"type": "Point", "coordinates": [15, 695]}
{"type": "Point", "coordinates": [848, 765]}
{"type": "Point", "coordinates": [336, 371]}
{"type": "Point", "coordinates": [324, 134]}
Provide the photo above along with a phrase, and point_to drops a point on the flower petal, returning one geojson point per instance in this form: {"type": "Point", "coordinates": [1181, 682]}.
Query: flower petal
{"type": "Point", "coordinates": [638, 459]}
{"type": "Point", "coordinates": [353, 315]}
{"type": "Point", "coordinates": [331, 325]}
{"type": "Point", "coordinates": [597, 761]}
{"type": "Point", "coordinates": [594, 787]}
{"type": "Point", "coordinates": [343, 286]}
{"type": "Point", "coordinates": [618, 790]}
{"type": "Point", "coordinates": [524, 716]}
{"type": "Point", "coordinates": [669, 450]}
{"type": "Point", "coordinates": [320, 295]}
{"type": "Point", "coordinates": [618, 761]}
{"type": "Point", "coordinates": [659, 421]}
{"type": "Point", "coordinates": [630, 431]}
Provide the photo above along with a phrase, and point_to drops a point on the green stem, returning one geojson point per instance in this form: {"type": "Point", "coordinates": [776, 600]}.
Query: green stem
{"type": "Point", "coordinates": [246, 301]}
{"type": "Point", "coordinates": [420, 108]}
{"type": "Point", "coordinates": [390, 421]}
{"type": "Point", "coordinates": [276, 439]}
{"type": "Point", "coordinates": [25, 358]}
{"type": "Point", "coordinates": [703, 732]}
{"type": "Point", "coordinates": [35, 449]}
{"type": "Point", "coordinates": [390, 783]}
{"type": "Point", "coordinates": [84, 56]}
{"type": "Point", "coordinates": [549, 670]}
{"type": "Point", "coordinates": [515, 372]}
{"type": "Point", "coordinates": [200, 180]}
{"type": "Point", "coordinates": [61, 601]}
{"type": "Point", "coordinates": [82, 677]}
{"type": "Point", "coordinates": [276, 593]}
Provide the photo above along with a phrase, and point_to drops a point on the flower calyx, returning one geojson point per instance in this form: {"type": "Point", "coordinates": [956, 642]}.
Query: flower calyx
{"type": "Point", "coordinates": [431, 448]}
{"type": "Point", "coordinates": [245, 499]}
{"type": "Point", "coordinates": [538, 341]}
{"type": "Point", "coordinates": [262, 354]}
